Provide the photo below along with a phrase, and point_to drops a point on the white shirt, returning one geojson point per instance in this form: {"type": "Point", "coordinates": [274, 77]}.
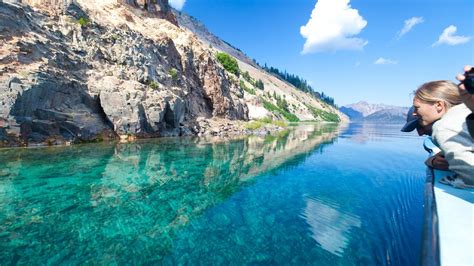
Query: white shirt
{"type": "Point", "coordinates": [450, 133]}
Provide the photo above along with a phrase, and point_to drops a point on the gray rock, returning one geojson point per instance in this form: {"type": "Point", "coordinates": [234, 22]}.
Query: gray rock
{"type": "Point", "coordinates": [94, 80]}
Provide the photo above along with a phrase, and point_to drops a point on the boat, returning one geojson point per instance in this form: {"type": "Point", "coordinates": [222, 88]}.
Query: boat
{"type": "Point", "coordinates": [448, 234]}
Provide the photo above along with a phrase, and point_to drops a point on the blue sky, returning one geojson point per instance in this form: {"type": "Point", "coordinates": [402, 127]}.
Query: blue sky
{"type": "Point", "coordinates": [373, 50]}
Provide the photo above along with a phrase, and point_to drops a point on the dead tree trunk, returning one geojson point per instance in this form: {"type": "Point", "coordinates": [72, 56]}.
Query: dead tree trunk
{"type": "Point", "coordinates": [129, 2]}
{"type": "Point", "coordinates": [150, 6]}
{"type": "Point", "coordinates": [164, 6]}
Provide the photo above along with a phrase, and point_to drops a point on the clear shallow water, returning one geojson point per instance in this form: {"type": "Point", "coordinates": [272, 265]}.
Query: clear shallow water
{"type": "Point", "coordinates": [314, 195]}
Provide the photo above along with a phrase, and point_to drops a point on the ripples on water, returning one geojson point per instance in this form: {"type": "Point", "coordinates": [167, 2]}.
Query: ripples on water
{"type": "Point", "coordinates": [313, 195]}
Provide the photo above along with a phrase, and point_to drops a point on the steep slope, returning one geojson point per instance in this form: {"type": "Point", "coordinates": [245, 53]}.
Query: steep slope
{"type": "Point", "coordinates": [301, 104]}
{"type": "Point", "coordinates": [83, 70]}
{"type": "Point", "coordinates": [209, 38]}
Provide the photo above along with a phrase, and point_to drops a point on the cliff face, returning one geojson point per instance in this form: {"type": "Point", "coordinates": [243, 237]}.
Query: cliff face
{"type": "Point", "coordinates": [157, 7]}
{"type": "Point", "coordinates": [301, 104]}
{"type": "Point", "coordinates": [84, 70]}
{"type": "Point", "coordinates": [74, 77]}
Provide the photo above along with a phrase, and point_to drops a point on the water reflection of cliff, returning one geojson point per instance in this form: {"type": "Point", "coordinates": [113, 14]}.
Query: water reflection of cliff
{"type": "Point", "coordinates": [274, 151]}
{"type": "Point", "coordinates": [106, 197]}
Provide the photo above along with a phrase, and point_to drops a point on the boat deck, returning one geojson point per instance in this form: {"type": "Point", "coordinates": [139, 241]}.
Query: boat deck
{"type": "Point", "coordinates": [455, 208]}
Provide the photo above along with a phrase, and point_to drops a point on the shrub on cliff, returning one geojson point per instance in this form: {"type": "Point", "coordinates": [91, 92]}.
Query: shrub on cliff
{"type": "Point", "coordinates": [229, 63]}
{"type": "Point", "coordinates": [247, 77]}
{"type": "Point", "coordinates": [273, 108]}
{"type": "Point", "coordinates": [154, 85]}
{"type": "Point", "coordinates": [173, 73]}
{"type": "Point", "coordinates": [254, 125]}
{"type": "Point", "coordinates": [247, 89]}
{"type": "Point", "coordinates": [324, 115]}
{"type": "Point", "coordinates": [83, 22]}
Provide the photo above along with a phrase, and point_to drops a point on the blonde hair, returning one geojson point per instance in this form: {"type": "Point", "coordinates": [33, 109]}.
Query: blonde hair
{"type": "Point", "coordinates": [440, 90]}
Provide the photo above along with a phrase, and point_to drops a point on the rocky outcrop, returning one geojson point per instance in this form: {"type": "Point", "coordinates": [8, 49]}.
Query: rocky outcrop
{"type": "Point", "coordinates": [65, 81]}
{"type": "Point", "coordinates": [159, 8]}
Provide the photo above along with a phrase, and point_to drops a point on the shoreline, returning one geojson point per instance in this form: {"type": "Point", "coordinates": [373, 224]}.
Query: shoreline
{"type": "Point", "coordinates": [237, 131]}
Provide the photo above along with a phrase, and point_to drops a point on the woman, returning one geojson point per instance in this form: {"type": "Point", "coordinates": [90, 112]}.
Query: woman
{"type": "Point", "coordinates": [438, 103]}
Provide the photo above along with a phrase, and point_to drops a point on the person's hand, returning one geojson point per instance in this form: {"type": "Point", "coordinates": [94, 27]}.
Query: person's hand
{"type": "Point", "coordinates": [466, 97]}
{"type": "Point", "coordinates": [437, 162]}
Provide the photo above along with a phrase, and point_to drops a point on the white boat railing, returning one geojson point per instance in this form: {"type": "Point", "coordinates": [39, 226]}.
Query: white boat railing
{"type": "Point", "coordinates": [448, 231]}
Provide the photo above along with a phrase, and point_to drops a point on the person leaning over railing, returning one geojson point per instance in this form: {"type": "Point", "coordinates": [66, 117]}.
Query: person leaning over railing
{"type": "Point", "coordinates": [468, 100]}
{"type": "Point", "coordinates": [439, 104]}
{"type": "Point", "coordinates": [437, 160]}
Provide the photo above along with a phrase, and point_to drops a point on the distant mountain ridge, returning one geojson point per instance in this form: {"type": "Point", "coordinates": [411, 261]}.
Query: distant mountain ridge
{"type": "Point", "coordinates": [374, 112]}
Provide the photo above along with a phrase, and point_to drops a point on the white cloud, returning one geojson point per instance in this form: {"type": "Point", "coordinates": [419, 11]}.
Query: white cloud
{"type": "Point", "coordinates": [409, 24]}
{"type": "Point", "coordinates": [448, 37]}
{"type": "Point", "coordinates": [385, 61]}
{"type": "Point", "coordinates": [332, 25]}
{"type": "Point", "coordinates": [177, 4]}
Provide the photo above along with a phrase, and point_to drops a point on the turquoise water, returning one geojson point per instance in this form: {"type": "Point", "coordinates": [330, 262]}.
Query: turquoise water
{"type": "Point", "coordinates": [316, 194]}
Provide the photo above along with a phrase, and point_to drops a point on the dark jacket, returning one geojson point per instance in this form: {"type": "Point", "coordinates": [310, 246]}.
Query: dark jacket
{"type": "Point", "coordinates": [470, 124]}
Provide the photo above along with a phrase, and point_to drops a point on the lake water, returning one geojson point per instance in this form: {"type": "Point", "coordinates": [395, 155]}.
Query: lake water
{"type": "Point", "coordinates": [316, 194]}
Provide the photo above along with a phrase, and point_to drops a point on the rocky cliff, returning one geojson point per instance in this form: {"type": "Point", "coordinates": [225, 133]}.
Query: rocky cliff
{"type": "Point", "coordinates": [83, 70]}
{"type": "Point", "coordinates": [303, 105]}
